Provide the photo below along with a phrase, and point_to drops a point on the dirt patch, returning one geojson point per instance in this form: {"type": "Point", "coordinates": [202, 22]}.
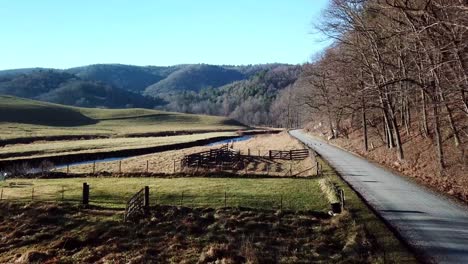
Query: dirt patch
{"type": "Point", "coordinates": [179, 234]}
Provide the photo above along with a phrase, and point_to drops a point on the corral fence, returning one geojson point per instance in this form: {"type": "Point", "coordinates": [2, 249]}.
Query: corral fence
{"type": "Point", "coordinates": [295, 154]}
{"type": "Point", "coordinates": [222, 158]}
{"type": "Point", "coordinates": [226, 158]}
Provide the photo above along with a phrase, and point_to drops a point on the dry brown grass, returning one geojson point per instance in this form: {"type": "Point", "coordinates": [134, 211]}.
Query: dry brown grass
{"type": "Point", "coordinates": [169, 161]}
{"type": "Point", "coordinates": [48, 233]}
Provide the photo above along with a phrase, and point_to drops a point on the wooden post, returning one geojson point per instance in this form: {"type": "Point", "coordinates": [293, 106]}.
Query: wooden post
{"type": "Point", "coordinates": [146, 202]}
{"type": "Point", "coordinates": [120, 166]}
{"type": "Point", "coordinates": [32, 194]}
{"type": "Point", "coordinates": [94, 167]}
{"type": "Point", "coordinates": [259, 153]}
{"type": "Point", "coordinates": [1, 195]}
{"type": "Point", "coordinates": [68, 168]}
{"type": "Point", "coordinates": [245, 166]}
{"type": "Point", "coordinates": [290, 169]}
{"type": "Point", "coordinates": [290, 154]}
{"type": "Point", "coordinates": [85, 193]}
{"type": "Point", "coordinates": [225, 198]}
{"type": "Point", "coordinates": [174, 171]}
{"type": "Point", "coordinates": [342, 196]}
{"type": "Point", "coordinates": [269, 154]}
{"type": "Point", "coordinates": [268, 168]}
{"type": "Point", "coordinates": [147, 166]}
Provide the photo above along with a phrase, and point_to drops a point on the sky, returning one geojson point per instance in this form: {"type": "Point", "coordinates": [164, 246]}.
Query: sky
{"type": "Point", "coordinates": [63, 34]}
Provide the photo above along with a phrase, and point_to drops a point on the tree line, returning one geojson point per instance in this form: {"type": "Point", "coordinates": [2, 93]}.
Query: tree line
{"type": "Point", "coordinates": [396, 66]}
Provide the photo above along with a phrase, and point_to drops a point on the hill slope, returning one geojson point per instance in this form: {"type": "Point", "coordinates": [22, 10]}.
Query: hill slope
{"type": "Point", "coordinates": [23, 118]}
{"type": "Point", "coordinates": [65, 88]}
{"type": "Point", "coordinates": [126, 77]}
{"type": "Point", "coordinates": [194, 78]}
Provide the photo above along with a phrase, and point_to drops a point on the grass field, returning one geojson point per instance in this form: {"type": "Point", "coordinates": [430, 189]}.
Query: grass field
{"type": "Point", "coordinates": [63, 147]}
{"type": "Point", "coordinates": [24, 118]}
{"type": "Point", "coordinates": [298, 194]}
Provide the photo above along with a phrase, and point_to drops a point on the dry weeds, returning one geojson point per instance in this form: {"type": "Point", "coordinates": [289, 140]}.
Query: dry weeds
{"type": "Point", "coordinates": [67, 234]}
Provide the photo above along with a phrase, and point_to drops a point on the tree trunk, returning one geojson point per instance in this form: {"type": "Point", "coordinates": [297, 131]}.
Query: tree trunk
{"type": "Point", "coordinates": [364, 125]}
{"type": "Point", "coordinates": [437, 135]}
{"type": "Point", "coordinates": [424, 114]}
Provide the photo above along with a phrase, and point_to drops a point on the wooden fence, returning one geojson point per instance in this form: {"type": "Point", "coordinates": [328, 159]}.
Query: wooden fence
{"type": "Point", "coordinates": [137, 205]}
{"type": "Point", "coordinates": [222, 157]}
{"type": "Point", "coordinates": [295, 154]}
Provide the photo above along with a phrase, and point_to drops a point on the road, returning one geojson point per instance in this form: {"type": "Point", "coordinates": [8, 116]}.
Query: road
{"type": "Point", "coordinates": [434, 225]}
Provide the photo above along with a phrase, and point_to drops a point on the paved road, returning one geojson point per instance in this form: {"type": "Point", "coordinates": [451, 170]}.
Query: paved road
{"type": "Point", "coordinates": [435, 225]}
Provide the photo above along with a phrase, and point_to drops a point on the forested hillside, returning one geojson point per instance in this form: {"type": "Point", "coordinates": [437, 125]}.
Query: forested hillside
{"type": "Point", "coordinates": [245, 93]}
{"type": "Point", "coordinates": [394, 86]}
{"type": "Point", "coordinates": [65, 88]}
{"type": "Point", "coordinates": [248, 101]}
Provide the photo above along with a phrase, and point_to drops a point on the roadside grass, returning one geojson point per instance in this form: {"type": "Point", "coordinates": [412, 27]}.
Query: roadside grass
{"type": "Point", "coordinates": [24, 118]}
{"type": "Point", "coordinates": [54, 148]}
{"type": "Point", "coordinates": [388, 247]}
{"type": "Point", "coordinates": [267, 193]}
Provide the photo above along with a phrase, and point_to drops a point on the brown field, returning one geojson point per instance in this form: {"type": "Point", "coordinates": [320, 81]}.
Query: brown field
{"type": "Point", "coordinates": [49, 233]}
{"type": "Point", "coordinates": [169, 161]}
{"type": "Point", "coordinates": [57, 148]}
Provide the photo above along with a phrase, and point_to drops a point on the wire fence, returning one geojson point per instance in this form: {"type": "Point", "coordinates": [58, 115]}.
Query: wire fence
{"type": "Point", "coordinates": [25, 192]}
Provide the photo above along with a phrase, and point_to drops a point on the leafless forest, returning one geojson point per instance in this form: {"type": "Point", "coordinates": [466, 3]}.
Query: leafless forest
{"type": "Point", "coordinates": [397, 67]}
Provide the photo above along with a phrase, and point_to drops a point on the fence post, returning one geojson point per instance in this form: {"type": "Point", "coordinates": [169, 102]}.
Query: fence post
{"type": "Point", "coordinates": [68, 169]}
{"type": "Point", "coordinates": [342, 197]}
{"type": "Point", "coordinates": [290, 169]}
{"type": "Point", "coordinates": [259, 153]}
{"type": "Point", "coordinates": [147, 166]}
{"type": "Point", "coordinates": [1, 195]}
{"type": "Point", "coordinates": [290, 154]}
{"type": "Point", "coordinates": [85, 193]}
{"type": "Point", "coordinates": [174, 171]}
{"type": "Point", "coordinates": [225, 197]}
{"type": "Point", "coordinates": [269, 154]}
{"type": "Point", "coordinates": [94, 167]}
{"type": "Point", "coordinates": [146, 202]}
{"type": "Point", "coordinates": [268, 168]}
{"type": "Point", "coordinates": [120, 166]}
{"type": "Point", "coordinates": [32, 194]}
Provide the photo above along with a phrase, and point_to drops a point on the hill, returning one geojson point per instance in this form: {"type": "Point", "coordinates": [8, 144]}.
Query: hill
{"type": "Point", "coordinates": [245, 93]}
{"type": "Point", "coordinates": [194, 78]}
{"type": "Point", "coordinates": [248, 101]}
{"type": "Point", "coordinates": [24, 118]}
{"type": "Point", "coordinates": [65, 88]}
{"type": "Point", "coordinates": [126, 77]}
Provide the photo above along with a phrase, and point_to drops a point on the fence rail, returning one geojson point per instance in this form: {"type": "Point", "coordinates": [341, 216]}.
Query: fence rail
{"type": "Point", "coordinates": [295, 154]}
{"type": "Point", "coordinates": [137, 205]}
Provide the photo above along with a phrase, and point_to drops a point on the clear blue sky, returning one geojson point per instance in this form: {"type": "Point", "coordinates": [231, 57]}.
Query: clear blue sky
{"type": "Point", "coordinates": [63, 34]}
